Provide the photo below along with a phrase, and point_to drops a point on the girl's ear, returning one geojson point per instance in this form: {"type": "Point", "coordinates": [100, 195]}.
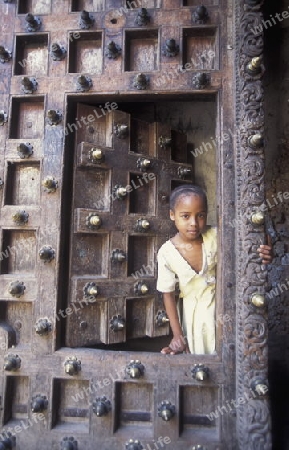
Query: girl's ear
{"type": "Point", "coordinates": [172, 214]}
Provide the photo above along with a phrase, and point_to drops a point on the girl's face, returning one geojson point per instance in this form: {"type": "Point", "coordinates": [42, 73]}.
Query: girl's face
{"type": "Point", "coordinates": [190, 217]}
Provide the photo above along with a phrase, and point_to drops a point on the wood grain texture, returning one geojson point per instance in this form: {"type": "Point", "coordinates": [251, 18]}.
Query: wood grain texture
{"type": "Point", "coordinates": [252, 354]}
{"type": "Point", "coordinates": [55, 290]}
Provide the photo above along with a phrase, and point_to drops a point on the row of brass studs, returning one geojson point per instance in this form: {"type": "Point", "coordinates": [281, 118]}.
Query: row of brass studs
{"type": "Point", "coordinates": [91, 290]}
{"type": "Point", "coordinates": [94, 222]}
{"type": "Point", "coordinates": [135, 370]}
{"type": "Point", "coordinates": [72, 366]}
{"type": "Point", "coordinates": [117, 323]}
{"type": "Point", "coordinates": [101, 406]}
{"type": "Point", "coordinates": [200, 80]}
{"type": "Point", "coordinates": [112, 51]}
{"type": "Point", "coordinates": [33, 23]}
{"type": "Point", "coordinates": [141, 81]}
{"type": "Point", "coordinates": [97, 156]}
{"type": "Point", "coordinates": [142, 18]}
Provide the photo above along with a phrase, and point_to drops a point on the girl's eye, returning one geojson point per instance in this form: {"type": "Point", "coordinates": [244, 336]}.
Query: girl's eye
{"type": "Point", "coordinates": [202, 216]}
{"type": "Point", "coordinates": [185, 216]}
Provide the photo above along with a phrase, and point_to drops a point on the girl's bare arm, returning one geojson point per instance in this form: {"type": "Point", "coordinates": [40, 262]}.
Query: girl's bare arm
{"type": "Point", "coordinates": [179, 343]}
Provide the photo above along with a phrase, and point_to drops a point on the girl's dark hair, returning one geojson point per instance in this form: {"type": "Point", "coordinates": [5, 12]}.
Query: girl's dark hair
{"type": "Point", "coordinates": [184, 190]}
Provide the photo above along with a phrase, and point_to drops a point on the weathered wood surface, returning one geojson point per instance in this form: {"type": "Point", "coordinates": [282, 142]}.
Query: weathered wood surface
{"type": "Point", "coordinates": [54, 289]}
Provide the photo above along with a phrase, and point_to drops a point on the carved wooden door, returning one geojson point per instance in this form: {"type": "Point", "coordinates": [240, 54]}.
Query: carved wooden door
{"type": "Point", "coordinates": [106, 106]}
{"type": "Point", "coordinates": [123, 174]}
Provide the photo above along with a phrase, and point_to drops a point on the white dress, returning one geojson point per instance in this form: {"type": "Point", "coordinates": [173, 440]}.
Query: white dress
{"type": "Point", "coordinates": [197, 290]}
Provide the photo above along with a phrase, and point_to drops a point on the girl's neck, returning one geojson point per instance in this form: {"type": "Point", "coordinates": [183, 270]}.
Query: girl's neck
{"type": "Point", "coordinates": [177, 239]}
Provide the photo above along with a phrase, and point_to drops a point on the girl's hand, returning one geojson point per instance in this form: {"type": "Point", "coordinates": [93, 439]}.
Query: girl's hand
{"type": "Point", "coordinates": [266, 252]}
{"type": "Point", "coordinates": [177, 345]}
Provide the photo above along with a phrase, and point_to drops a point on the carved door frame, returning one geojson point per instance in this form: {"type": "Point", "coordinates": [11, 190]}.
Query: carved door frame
{"type": "Point", "coordinates": [253, 416]}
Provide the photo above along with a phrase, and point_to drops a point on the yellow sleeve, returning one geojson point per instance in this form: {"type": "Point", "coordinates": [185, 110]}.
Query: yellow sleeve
{"type": "Point", "coordinates": [166, 277]}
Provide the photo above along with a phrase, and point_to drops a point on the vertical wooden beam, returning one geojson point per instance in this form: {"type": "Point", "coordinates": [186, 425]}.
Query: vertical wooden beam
{"type": "Point", "coordinates": [253, 415]}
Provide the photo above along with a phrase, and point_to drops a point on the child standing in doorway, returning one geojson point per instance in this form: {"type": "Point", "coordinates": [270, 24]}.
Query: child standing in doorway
{"type": "Point", "coordinates": [190, 258]}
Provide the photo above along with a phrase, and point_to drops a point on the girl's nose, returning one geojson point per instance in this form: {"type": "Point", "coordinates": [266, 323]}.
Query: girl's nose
{"type": "Point", "coordinates": [193, 221]}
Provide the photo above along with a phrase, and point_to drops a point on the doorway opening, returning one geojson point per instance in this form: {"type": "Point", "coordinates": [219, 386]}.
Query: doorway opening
{"type": "Point", "coordinates": [104, 249]}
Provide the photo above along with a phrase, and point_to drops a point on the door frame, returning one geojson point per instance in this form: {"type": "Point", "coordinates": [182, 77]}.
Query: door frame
{"type": "Point", "coordinates": [253, 415]}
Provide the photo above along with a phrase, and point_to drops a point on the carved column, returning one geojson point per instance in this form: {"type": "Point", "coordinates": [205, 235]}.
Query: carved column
{"type": "Point", "coordinates": [253, 416]}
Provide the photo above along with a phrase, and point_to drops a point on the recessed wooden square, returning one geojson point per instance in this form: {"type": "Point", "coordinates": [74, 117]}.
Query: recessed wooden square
{"type": "Point", "coordinates": [27, 118]}
{"type": "Point", "coordinates": [19, 315]}
{"type": "Point", "coordinates": [142, 137]}
{"type": "Point", "coordinates": [131, 414]}
{"type": "Point", "coordinates": [141, 51]}
{"type": "Point", "coordinates": [85, 315]}
{"type": "Point", "coordinates": [18, 251]}
{"type": "Point", "coordinates": [69, 410]}
{"type": "Point", "coordinates": [98, 131]}
{"type": "Point", "coordinates": [23, 184]}
{"type": "Point", "coordinates": [139, 317]}
{"type": "Point", "coordinates": [200, 49]}
{"type": "Point", "coordinates": [179, 146]}
{"type": "Point", "coordinates": [88, 255]}
{"type": "Point", "coordinates": [141, 198]}
{"type": "Point", "coordinates": [31, 55]}
{"type": "Point", "coordinates": [196, 416]}
{"type": "Point", "coordinates": [34, 7]}
{"type": "Point", "coordinates": [85, 53]}
{"type": "Point", "coordinates": [16, 399]}
{"type": "Point", "coordinates": [140, 253]}
{"type": "Point", "coordinates": [96, 194]}
{"type": "Point", "coordinates": [87, 5]}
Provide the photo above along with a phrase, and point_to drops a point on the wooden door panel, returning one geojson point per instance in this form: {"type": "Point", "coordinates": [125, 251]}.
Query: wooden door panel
{"type": "Point", "coordinates": [30, 122]}
{"type": "Point", "coordinates": [21, 175]}
{"type": "Point", "coordinates": [88, 194]}
{"type": "Point", "coordinates": [94, 304]}
{"type": "Point", "coordinates": [110, 223]}
{"type": "Point", "coordinates": [97, 131]}
{"type": "Point", "coordinates": [88, 255]}
{"type": "Point", "coordinates": [140, 317]}
{"type": "Point", "coordinates": [95, 185]}
{"type": "Point", "coordinates": [87, 324]}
